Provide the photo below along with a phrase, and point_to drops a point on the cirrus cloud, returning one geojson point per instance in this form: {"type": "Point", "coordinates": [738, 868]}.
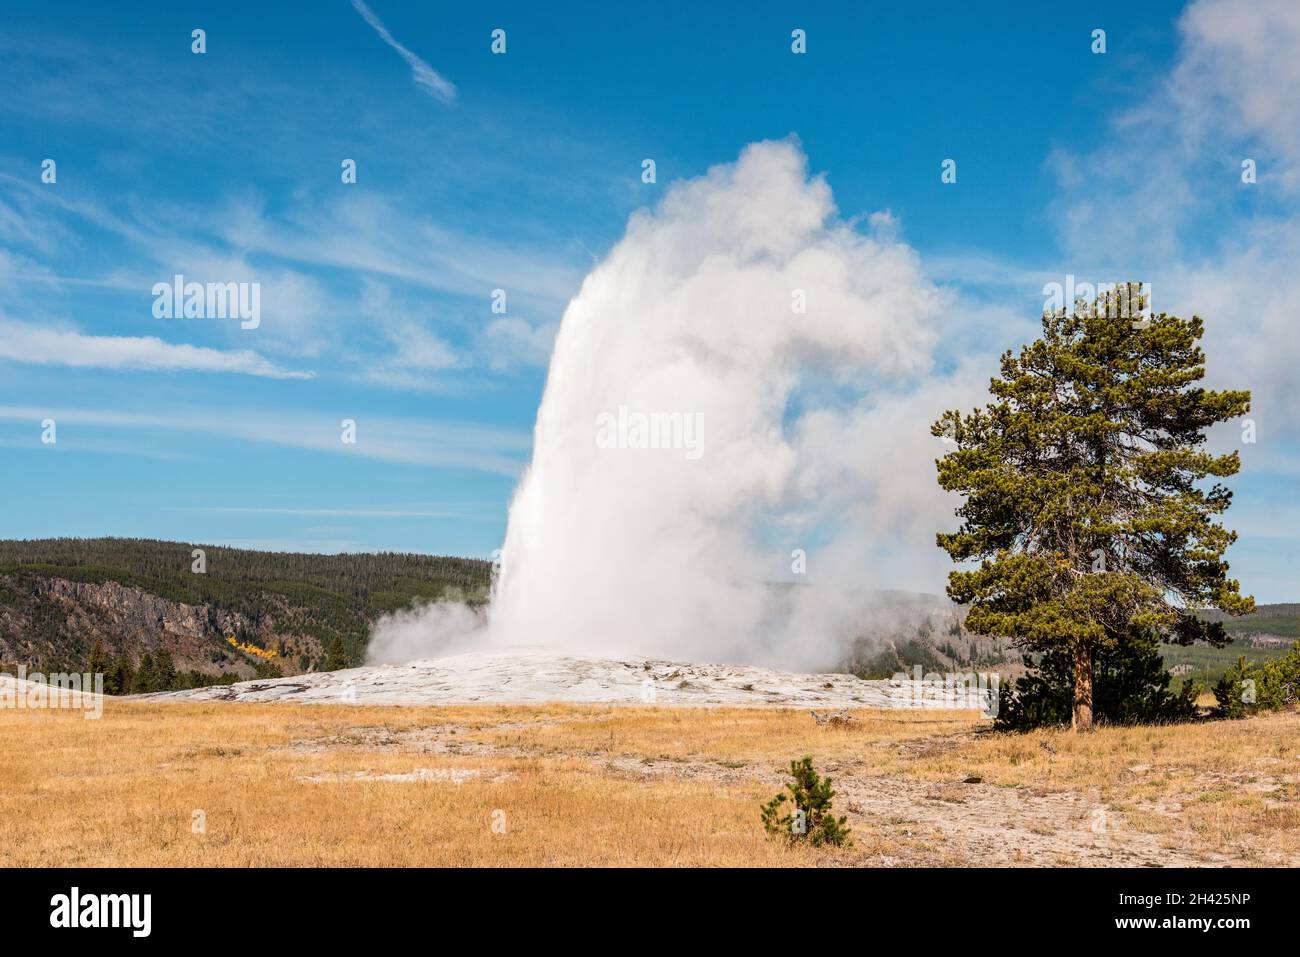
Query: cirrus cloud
{"type": "Point", "coordinates": [38, 345]}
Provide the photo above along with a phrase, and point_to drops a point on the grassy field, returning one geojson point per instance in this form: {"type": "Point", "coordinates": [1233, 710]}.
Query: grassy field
{"type": "Point", "coordinates": [232, 784]}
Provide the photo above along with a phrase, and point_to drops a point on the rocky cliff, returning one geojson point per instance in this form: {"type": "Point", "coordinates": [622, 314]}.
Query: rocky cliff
{"type": "Point", "coordinates": [52, 623]}
{"type": "Point", "coordinates": [234, 614]}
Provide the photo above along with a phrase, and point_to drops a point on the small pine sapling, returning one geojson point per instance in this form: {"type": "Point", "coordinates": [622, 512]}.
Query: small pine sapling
{"type": "Point", "coordinates": [812, 818]}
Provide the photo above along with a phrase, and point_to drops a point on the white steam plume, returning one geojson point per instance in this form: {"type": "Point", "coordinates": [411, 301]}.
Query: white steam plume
{"type": "Point", "coordinates": [694, 318]}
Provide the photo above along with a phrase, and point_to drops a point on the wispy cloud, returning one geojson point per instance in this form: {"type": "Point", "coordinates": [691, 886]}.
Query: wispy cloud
{"type": "Point", "coordinates": [294, 254]}
{"type": "Point", "coordinates": [418, 357]}
{"type": "Point", "coordinates": [340, 512]}
{"type": "Point", "coordinates": [370, 234]}
{"type": "Point", "coordinates": [24, 342]}
{"type": "Point", "coordinates": [510, 341]}
{"type": "Point", "coordinates": [423, 350]}
{"type": "Point", "coordinates": [1225, 100]}
{"type": "Point", "coordinates": [424, 443]}
{"type": "Point", "coordinates": [424, 75]}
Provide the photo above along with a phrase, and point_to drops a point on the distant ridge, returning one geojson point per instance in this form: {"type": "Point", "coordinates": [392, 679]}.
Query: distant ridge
{"type": "Point", "coordinates": [61, 598]}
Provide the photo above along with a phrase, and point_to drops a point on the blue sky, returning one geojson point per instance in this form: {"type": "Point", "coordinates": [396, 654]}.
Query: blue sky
{"type": "Point", "coordinates": [376, 296]}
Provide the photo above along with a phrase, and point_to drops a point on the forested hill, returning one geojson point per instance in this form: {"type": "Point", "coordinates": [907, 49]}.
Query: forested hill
{"type": "Point", "coordinates": [64, 601]}
{"type": "Point", "coordinates": [1279, 622]}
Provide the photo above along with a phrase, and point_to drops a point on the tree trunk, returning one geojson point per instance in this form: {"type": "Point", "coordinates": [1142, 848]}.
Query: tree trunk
{"type": "Point", "coordinates": [1081, 719]}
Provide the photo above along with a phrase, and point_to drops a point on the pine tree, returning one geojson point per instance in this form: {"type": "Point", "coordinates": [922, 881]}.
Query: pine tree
{"type": "Point", "coordinates": [335, 658]}
{"type": "Point", "coordinates": [164, 670]}
{"type": "Point", "coordinates": [97, 662]}
{"type": "Point", "coordinates": [145, 680]}
{"type": "Point", "coordinates": [118, 679]}
{"type": "Point", "coordinates": [1082, 496]}
{"type": "Point", "coordinates": [1229, 691]}
{"type": "Point", "coordinates": [812, 818]}
{"type": "Point", "coordinates": [1131, 686]}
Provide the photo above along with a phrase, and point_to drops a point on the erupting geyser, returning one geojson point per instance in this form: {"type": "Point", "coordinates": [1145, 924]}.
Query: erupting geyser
{"type": "Point", "coordinates": [704, 416]}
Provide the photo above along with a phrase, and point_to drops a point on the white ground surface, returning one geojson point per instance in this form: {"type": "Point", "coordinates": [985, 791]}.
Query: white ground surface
{"type": "Point", "coordinates": [533, 677]}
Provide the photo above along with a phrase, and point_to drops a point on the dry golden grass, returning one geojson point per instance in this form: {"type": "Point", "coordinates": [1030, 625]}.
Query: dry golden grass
{"type": "Point", "coordinates": [299, 785]}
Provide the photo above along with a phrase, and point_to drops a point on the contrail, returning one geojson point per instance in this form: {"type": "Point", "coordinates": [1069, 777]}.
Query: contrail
{"type": "Point", "coordinates": [424, 75]}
